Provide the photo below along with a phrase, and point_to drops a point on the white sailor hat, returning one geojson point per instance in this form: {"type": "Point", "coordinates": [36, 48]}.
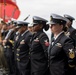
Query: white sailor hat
{"type": "Point", "coordinates": [69, 17]}
{"type": "Point", "coordinates": [55, 18]}
{"type": "Point", "coordinates": [38, 20]}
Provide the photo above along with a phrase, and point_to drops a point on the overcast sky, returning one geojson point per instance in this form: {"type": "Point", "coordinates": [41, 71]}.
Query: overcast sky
{"type": "Point", "coordinates": [44, 8]}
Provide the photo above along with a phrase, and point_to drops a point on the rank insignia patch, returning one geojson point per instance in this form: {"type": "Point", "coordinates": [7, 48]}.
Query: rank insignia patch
{"type": "Point", "coordinates": [46, 43]}
{"type": "Point", "coordinates": [36, 40]}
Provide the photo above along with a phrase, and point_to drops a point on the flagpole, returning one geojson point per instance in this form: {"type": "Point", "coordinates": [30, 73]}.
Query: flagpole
{"type": "Point", "coordinates": [4, 10]}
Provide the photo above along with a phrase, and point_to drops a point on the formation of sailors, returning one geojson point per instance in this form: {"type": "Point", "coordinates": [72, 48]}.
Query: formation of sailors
{"type": "Point", "coordinates": [26, 50]}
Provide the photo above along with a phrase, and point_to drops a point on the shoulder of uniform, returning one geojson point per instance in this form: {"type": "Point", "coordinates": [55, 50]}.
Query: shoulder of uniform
{"type": "Point", "coordinates": [29, 33]}
{"type": "Point", "coordinates": [65, 38]}
{"type": "Point", "coordinates": [43, 35]}
{"type": "Point", "coordinates": [74, 29]}
{"type": "Point", "coordinates": [71, 29]}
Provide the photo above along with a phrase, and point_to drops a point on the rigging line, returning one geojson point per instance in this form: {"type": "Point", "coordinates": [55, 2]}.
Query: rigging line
{"type": "Point", "coordinates": [0, 9]}
{"type": "Point", "coordinates": [13, 12]}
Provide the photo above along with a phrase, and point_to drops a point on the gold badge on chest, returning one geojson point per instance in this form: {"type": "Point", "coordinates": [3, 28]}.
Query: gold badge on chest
{"type": "Point", "coordinates": [71, 53]}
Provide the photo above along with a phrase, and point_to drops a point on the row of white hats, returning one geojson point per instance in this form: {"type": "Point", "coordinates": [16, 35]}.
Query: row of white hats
{"type": "Point", "coordinates": [8, 20]}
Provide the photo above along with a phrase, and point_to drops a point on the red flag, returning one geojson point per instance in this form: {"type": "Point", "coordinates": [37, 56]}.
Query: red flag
{"type": "Point", "coordinates": [8, 10]}
{"type": "Point", "coordinates": [8, 1]}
